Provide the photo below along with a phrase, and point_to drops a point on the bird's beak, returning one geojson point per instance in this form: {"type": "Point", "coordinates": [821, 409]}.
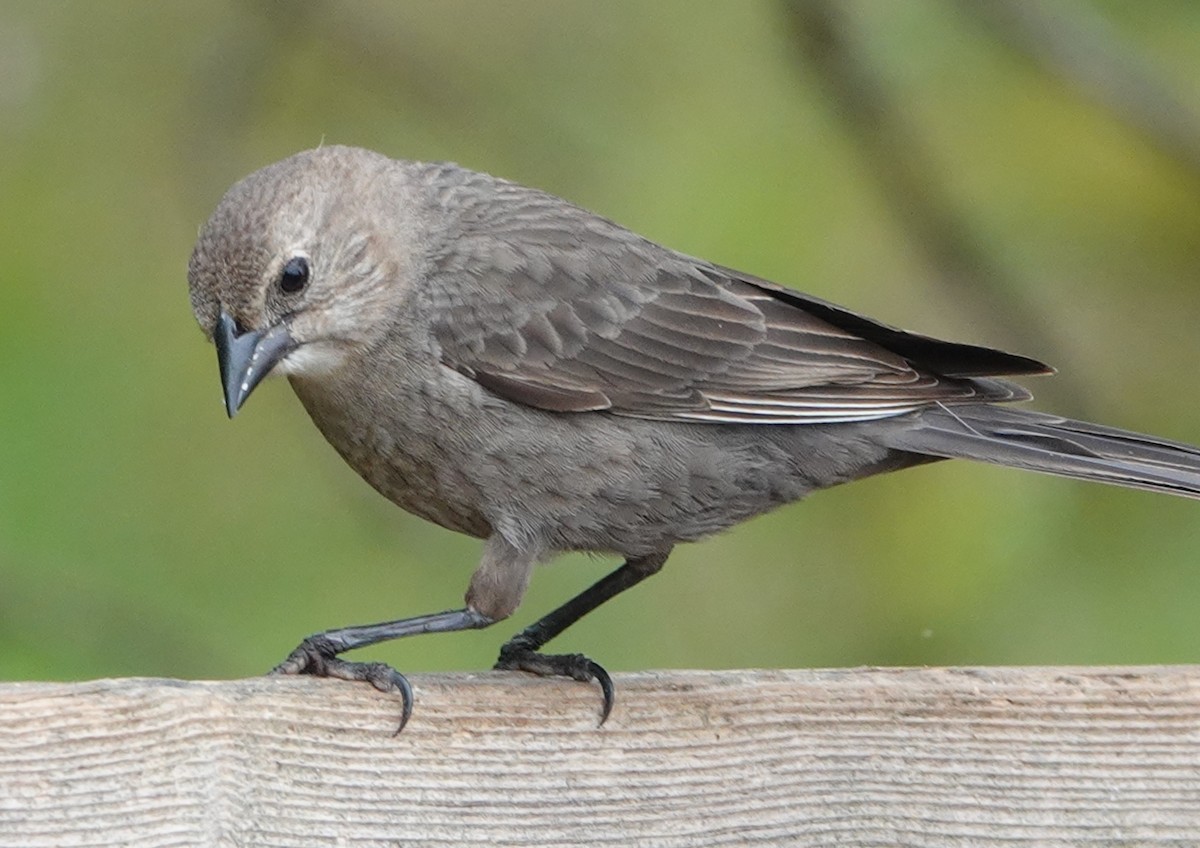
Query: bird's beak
{"type": "Point", "coordinates": [245, 358]}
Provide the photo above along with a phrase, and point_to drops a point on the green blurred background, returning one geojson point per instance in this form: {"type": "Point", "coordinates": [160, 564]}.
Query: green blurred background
{"type": "Point", "coordinates": [925, 162]}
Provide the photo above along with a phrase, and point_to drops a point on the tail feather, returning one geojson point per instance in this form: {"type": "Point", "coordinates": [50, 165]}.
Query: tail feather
{"type": "Point", "coordinates": [1037, 441]}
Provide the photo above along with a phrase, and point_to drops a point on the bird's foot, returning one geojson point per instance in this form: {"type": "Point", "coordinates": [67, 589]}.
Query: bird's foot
{"type": "Point", "coordinates": [317, 656]}
{"type": "Point", "coordinates": [515, 656]}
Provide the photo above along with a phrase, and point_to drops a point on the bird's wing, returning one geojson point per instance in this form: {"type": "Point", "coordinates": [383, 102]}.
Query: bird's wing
{"type": "Point", "coordinates": [591, 317]}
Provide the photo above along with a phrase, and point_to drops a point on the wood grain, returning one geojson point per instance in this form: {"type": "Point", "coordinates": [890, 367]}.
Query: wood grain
{"type": "Point", "coordinates": [872, 757]}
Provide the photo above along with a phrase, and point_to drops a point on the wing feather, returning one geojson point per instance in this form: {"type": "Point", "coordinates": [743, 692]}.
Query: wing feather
{"type": "Point", "coordinates": [552, 307]}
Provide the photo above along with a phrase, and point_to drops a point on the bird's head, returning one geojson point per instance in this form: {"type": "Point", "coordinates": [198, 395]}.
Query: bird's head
{"type": "Point", "coordinates": [293, 272]}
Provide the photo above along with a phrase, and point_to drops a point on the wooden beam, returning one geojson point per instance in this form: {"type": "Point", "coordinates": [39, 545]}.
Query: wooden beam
{"type": "Point", "coordinates": [929, 757]}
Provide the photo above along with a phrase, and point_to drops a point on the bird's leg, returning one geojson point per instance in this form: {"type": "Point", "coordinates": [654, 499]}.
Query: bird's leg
{"type": "Point", "coordinates": [521, 652]}
{"type": "Point", "coordinates": [318, 654]}
{"type": "Point", "coordinates": [496, 589]}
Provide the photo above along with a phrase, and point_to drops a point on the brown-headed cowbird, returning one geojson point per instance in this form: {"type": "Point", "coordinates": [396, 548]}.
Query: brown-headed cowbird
{"type": "Point", "coordinates": [511, 366]}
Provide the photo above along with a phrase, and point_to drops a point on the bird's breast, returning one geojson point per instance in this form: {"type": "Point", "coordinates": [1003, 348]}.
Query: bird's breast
{"type": "Point", "coordinates": [401, 436]}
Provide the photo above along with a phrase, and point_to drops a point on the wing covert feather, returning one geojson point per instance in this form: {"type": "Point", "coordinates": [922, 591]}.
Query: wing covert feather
{"type": "Point", "coordinates": [565, 311]}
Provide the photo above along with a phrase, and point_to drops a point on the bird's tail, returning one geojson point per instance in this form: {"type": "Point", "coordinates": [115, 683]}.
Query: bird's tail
{"type": "Point", "coordinates": [1053, 445]}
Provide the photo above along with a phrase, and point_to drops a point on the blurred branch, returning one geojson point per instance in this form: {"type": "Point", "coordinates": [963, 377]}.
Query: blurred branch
{"type": "Point", "coordinates": [907, 177]}
{"type": "Point", "coordinates": [1073, 43]}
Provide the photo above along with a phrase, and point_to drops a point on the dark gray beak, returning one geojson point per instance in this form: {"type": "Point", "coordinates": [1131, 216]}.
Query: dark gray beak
{"type": "Point", "coordinates": [245, 358]}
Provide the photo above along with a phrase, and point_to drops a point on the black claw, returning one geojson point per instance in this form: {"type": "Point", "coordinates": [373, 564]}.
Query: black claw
{"type": "Point", "coordinates": [406, 697]}
{"type": "Point", "coordinates": [317, 658]}
{"type": "Point", "coordinates": [606, 688]}
{"type": "Point", "coordinates": [575, 666]}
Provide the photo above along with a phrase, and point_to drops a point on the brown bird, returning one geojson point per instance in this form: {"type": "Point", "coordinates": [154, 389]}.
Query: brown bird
{"type": "Point", "coordinates": [511, 366]}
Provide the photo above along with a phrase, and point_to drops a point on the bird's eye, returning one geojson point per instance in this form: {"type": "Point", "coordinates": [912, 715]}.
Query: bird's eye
{"type": "Point", "coordinates": [294, 276]}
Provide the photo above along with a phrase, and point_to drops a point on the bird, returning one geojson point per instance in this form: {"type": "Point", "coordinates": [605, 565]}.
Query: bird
{"type": "Point", "coordinates": [511, 366]}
